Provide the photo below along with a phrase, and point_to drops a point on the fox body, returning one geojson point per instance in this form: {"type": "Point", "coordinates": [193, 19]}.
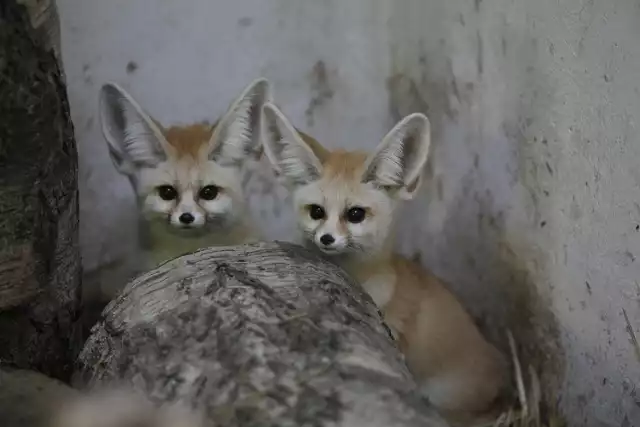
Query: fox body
{"type": "Point", "coordinates": [345, 203]}
{"type": "Point", "coordinates": [187, 179]}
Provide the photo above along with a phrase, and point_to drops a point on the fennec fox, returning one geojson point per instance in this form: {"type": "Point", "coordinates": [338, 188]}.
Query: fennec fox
{"type": "Point", "coordinates": [345, 203]}
{"type": "Point", "coordinates": [187, 178]}
{"type": "Point", "coordinates": [121, 408]}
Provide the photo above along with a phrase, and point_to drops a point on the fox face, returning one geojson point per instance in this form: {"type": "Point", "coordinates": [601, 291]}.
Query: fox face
{"type": "Point", "coordinates": [345, 200]}
{"type": "Point", "coordinates": [187, 177]}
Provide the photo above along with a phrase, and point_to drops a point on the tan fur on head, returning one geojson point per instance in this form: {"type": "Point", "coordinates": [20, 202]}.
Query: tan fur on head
{"type": "Point", "coordinates": [119, 408]}
{"type": "Point", "coordinates": [341, 181]}
{"type": "Point", "coordinates": [187, 178]}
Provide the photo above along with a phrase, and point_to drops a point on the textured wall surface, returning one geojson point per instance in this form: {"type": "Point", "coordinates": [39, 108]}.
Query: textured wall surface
{"type": "Point", "coordinates": [532, 209]}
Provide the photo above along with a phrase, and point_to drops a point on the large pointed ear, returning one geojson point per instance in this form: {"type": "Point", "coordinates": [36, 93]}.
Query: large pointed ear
{"type": "Point", "coordinates": [237, 134]}
{"type": "Point", "coordinates": [398, 162]}
{"type": "Point", "coordinates": [134, 139]}
{"type": "Point", "coordinates": [292, 159]}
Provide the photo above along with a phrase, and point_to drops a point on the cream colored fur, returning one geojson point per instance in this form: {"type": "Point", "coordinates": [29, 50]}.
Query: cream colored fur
{"type": "Point", "coordinates": [459, 371]}
{"type": "Point", "coordinates": [121, 408]}
{"type": "Point", "coordinates": [187, 159]}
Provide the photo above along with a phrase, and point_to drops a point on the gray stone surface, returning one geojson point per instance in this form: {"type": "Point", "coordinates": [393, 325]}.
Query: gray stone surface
{"type": "Point", "coordinates": [28, 398]}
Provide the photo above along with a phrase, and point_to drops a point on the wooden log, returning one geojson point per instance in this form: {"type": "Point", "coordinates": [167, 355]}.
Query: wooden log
{"type": "Point", "coordinates": [266, 334]}
{"type": "Point", "coordinates": [39, 258]}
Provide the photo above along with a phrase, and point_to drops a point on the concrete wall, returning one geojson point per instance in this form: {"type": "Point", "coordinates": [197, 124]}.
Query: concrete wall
{"type": "Point", "coordinates": [533, 207]}
{"type": "Point", "coordinates": [532, 210]}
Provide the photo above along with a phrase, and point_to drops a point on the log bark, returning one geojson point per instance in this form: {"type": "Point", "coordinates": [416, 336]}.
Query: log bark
{"type": "Point", "coordinates": [266, 334]}
{"type": "Point", "coordinates": [39, 258]}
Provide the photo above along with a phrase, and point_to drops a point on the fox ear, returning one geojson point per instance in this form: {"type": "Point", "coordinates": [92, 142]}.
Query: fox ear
{"type": "Point", "coordinates": [399, 160]}
{"type": "Point", "coordinates": [134, 139]}
{"type": "Point", "coordinates": [237, 134]}
{"type": "Point", "coordinates": [292, 159]}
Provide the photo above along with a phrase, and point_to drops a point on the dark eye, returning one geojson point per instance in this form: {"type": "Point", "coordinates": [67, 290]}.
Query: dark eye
{"type": "Point", "coordinates": [356, 215]}
{"type": "Point", "coordinates": [167, 192]}
{"type": "Point", "coordinates": [208, 192]}
{"type": "Point", "coordinates": [316, 212]}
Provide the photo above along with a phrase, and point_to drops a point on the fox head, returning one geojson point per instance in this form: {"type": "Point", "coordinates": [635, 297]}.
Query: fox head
{"type": "Point", "coordinates": [344, 200]}
{"type": "Point", "coordinates": [188, 176]}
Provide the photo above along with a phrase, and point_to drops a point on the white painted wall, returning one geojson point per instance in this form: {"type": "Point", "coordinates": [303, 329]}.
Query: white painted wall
{"type": "Point", "coordinates": [534, 200]}
{"type": "Point", "coordinates": [192, 58]}
{"type": "Point", "coordinates": [533, 210]}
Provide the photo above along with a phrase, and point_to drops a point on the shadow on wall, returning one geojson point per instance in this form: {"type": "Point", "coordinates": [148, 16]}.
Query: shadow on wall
{"type": "Point", "coordinates": [483, 205]}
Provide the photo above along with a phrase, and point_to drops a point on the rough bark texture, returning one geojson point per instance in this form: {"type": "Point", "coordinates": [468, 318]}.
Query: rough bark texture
{"type": "Point", "coordinates": [39, 258]}
{"type": "Point", "coordinates": [265, 334]}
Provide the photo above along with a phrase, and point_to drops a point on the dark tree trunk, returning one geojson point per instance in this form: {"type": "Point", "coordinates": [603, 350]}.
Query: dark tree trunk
{"type": "Point", "coordinates": [265, 334]}
{"type": "Point", "coordinates": [39, 258]}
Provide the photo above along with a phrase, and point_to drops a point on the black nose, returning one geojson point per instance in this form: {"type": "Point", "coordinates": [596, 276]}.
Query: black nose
{"type": "Point", "coordinates": [186, 218]}
{"type": "Point", "coordinates": [327, 239]}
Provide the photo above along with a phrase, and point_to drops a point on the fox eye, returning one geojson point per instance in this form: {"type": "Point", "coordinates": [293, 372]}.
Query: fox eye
{"type": "Point", "coordinates": [167, 192]}
{"type": "Point", "coordinates": [208, 192]}
{"type": "Point", "coordinates": [356, 215]}
{"type": "Point", "coordinates": [316, 212]}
